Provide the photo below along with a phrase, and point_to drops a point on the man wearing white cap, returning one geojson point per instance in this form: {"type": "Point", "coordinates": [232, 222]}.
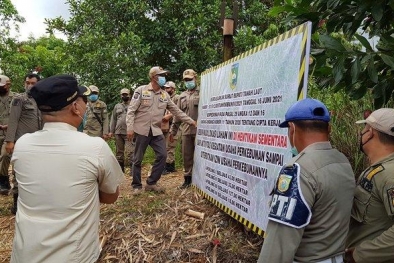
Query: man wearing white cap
{"type": "Point", "coordinates": [310, 208]}
{"type": "Point", "coordinates": [97, 122]}
{"type": "Point", "coordinates": [118, 128]}
{"type": "Point", "coordinates": [143, 119]}
{"type": "Point", "coordinates": [371, 234]}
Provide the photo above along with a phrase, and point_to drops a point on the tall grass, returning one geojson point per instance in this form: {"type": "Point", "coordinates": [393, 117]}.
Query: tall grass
{"type": "Point", "coordinates": [345, 133]}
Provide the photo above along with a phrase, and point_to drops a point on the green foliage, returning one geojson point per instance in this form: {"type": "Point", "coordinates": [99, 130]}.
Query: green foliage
{"type": "Point", "coordinates": [344, 131]}
{"type": "Point", "coordinates": [112, 44]}
{"type": "Point", "coordinates": [46, 55]}
{"type": "Point", "coordinates": [358, 68]}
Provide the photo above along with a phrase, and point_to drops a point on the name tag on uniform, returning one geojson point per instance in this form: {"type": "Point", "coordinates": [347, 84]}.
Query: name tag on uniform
{"type": "Point", "coordinates": [146, 94]}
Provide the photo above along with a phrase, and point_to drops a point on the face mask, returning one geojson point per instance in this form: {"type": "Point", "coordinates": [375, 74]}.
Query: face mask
{"type": "Point", "coordinates": [190, 84]}
{"type": "Point", "coordinates": [3, 91]}
{"type": "Point", "coordinates": [125, 98]}
{"type": "Point", "coordinates": [361, 144]}
{"type": "Point", "coordinates": [93, 97]}
{"type": "Point", "coordinates": [161, 81]}
{"type": "Point", "coordinates": [83, 122]}
{"type": "Point", "coordinates": [294, 150]}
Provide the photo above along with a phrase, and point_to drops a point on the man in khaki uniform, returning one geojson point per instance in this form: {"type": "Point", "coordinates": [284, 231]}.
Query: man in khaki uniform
{"type": "Point", "coordinates": [143, 120]}
{"type": "Point", "coordinates": [166, 124]}
{"type": "Point", "coordinates": [313, 194]}
{"type": "Point", "coordinates": [6, 96]}
{"type": "Point", "coordinates": [24, 118]}
{"type": "Point", "coordinates": [188, 103]}
{"type": "Point", "coordinates": [118, 127]}
{"type": "Point", "coordinates": [371, 234]}
{"type": "Point", "coordinates": [97, 122]}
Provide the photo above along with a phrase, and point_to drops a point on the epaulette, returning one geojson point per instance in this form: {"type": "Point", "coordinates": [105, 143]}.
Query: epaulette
{"type": "Point", "coordinates": [376, 170]}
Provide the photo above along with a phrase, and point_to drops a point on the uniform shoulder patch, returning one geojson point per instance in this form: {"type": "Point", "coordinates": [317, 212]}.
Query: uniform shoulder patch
{"type": "Point", "coordinates": [136, 96]}
{"type": "Point", "coordinates": [390, 196]}
{"type": "Point", "coordinates": [288, 205]}
{"type": "Point", "coordinates": [16, 101]}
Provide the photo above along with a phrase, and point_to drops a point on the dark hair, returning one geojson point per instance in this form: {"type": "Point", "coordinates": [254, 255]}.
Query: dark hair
{"type": "Point", "coordinates": [32, 75]}
{"type": "Point", "coordinates": [385, 138]}
{"type": "Point", "coordinates": [312, 126]}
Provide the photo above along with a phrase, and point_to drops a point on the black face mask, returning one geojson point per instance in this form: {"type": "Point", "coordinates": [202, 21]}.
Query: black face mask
{"type": "Point", "coordinates": [361, 144]}
{"type": "Point", "coordinates": [3, 91]}
{"type": "Point", "coordinates": [125, 99]}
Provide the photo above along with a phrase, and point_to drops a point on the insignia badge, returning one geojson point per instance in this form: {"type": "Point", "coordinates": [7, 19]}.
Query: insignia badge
{"type": "Point", "coordinates": [390, 195]}
{"type": "Point", "coordinates": [136, 96]}
{"type": "Point", "coordinates": [16, 102]}
{"type": "Point", "coordinates": [374, 171]}
{"type": "Point", "coordinates": [284, 182]}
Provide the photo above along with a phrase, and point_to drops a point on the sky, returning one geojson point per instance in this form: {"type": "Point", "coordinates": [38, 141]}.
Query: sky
{"type": "Point", "coordinates": [35, 11]}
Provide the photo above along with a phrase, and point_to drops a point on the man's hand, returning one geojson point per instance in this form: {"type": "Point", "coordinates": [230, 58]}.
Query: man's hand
{"type": "Point", "coordinates": [166, 118]}
{"type": "Point", "coordinates": [3, 127]}
{"type": "Point", "coordinates": [106, 136]}
{"type": "Point", "coordinates": [171, 138]}
{"type": "Point", "coordinates": [349, 255]}
{"type": "Point", "coordinates": [9, 147]}
{"type": "Point", "coordinates": [195, 124]}
{"type": "Point", "coordinates": [130, 136]}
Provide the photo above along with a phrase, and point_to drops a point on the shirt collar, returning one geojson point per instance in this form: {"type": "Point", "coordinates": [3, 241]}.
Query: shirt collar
{"type": "Point", "coordinates": [58, 126]}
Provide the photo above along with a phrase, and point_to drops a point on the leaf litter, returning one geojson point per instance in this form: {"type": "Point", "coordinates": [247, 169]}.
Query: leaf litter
{"type": "Point", "coordinates": [155, 227]}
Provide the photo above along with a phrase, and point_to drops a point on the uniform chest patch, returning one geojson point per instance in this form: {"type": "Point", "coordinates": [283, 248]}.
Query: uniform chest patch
{"type": "Point", "coordinates": [163, 97]}
{"type": "Point", "coordinates": [146, 94]}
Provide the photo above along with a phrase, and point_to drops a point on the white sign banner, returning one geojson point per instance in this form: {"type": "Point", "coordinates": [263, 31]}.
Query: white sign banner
{"type": "Point", "coordinates": [239, 147]}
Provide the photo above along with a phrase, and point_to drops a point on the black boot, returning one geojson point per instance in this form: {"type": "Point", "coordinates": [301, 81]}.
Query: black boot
{"type": "Point", "coordinates": [171, 167]}
{"type": "Point", "coordinates": [4, 185]}
{"type": "Point", "coordinates": [166, 169]}
{"type": "Point", "coordinates": [187, 183]}
{"type": "Point", "coordinates": [14, 208]}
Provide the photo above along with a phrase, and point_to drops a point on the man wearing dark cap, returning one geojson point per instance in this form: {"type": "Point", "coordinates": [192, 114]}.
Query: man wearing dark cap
{"type": "Point", "coordinates": [117, 127]}
{"type": "Point", "coordinates": [144, 116]}
{"type": "Point", "coordinates": [24, 118]}
{"type": "Point", "coordinates": [371, 234]}
{"type": "Point", "coordinates": [6, 96]}
{"type": "Point", "coordinates": [63, 176]}
{"type": "Point", "coordinates": [312, 197]}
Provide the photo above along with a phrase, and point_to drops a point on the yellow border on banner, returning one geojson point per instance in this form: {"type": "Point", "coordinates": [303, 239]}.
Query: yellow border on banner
{"type": "Point", "coordinates": [300, 95]}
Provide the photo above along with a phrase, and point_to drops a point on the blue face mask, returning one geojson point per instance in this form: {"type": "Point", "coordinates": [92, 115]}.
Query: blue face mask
{"type": "Point", "coordinates": [190, 84]}
{"type": "Point", "coordinates": [82, 125]}
{"type": "Point", "coordinates": [294, 151]}
{"type": "Point", "coordinates": [161, 81]}
{"type": "Point", "coordinates": [93, 97]}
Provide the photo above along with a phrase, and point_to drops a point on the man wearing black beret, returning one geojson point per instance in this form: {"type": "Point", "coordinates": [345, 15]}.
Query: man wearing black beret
{"type": "Point", "coordinates": [63, 175]}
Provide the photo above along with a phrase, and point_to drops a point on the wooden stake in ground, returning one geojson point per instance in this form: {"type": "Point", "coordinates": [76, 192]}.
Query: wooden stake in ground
{"type": "Point", "coordinates": [195, 214]}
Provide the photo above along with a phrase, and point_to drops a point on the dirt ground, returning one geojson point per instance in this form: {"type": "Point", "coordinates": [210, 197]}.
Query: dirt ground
{"type": "Point", "coordinates": [155, 228]}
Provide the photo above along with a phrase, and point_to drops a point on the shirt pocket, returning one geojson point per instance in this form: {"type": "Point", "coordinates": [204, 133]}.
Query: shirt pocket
{"type": "Point", "coordinates": [196, 100]}
{"type": "Point", "coordinates": [145, 104]}
{"type": "Point", "coordinates": [183, 104]}
{"type": "Point", "coordinates": [29, 106]}
{"type": "Point", "coordinates": [362, 200]}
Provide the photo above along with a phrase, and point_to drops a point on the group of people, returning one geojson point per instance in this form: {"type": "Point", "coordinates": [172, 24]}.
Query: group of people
{"type": "Point", "coordinates": [318, 213]}
{"type": "Point", "coordinates": [61, 175]}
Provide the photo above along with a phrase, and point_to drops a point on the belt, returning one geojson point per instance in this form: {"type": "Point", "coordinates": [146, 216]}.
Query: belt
{"type": "Point", "coordinates": [336, 259]}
